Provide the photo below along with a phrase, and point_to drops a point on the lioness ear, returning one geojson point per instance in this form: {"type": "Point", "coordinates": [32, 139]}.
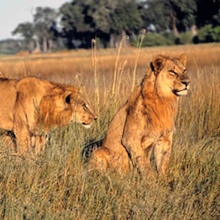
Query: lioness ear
{"type": "Point", "coordinates": [183, 59]}
{"type": "Point", "coordinates": [68, 99]}
{"type": "Point", "coordinates": [158, 63]}
{"type": "Point", "coordinates": [70, 96]}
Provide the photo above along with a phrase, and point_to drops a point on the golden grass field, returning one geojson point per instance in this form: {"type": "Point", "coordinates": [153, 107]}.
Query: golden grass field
{"type": "Point", "coordinates": [58, 186]}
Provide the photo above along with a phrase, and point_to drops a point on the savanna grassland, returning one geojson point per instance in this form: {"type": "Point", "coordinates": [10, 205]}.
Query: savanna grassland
{"type": "Point", "coordinates": [57, 185]}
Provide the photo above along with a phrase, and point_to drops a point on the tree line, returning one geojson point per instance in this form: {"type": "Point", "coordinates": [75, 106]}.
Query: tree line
{"type": "Point", "coordinates": [164, 22]}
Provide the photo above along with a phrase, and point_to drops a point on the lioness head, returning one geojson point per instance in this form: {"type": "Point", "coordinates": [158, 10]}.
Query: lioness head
{"type": "Point", "coordinates": [82, 111]}
{"type": "Point", "coordinates": [65, 108]}
{"type": "Point", "coordinates": [171, 76]}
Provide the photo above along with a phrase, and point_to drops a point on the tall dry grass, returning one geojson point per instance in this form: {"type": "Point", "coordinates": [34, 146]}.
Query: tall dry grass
{"type": "Point", "coordinates": [57, 186]}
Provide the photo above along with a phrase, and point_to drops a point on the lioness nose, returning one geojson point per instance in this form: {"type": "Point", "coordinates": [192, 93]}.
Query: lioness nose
{"type": "Point", "coordinates": [185, 82]}
{"type": "Point", "coordinates": [95, 118]}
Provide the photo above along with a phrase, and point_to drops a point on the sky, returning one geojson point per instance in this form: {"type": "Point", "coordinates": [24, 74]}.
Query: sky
{"type": "Point", "coordinates": [14, 12]}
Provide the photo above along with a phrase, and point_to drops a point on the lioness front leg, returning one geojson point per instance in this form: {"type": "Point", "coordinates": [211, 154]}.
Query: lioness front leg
{"type": "Point", "coordinates": [135, 144]}
{"type": "Point", "coordinates": [162, 152]}
{"type": "Point", "coordinates": [23, 138]}
{"type": "Point", "coordinates": [138, 154]}
{"type": "Point", "coordinates": [38, 143]}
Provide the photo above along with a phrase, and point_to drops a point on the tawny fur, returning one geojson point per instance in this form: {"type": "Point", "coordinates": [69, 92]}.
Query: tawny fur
{"type": "Point", "coordinates": [35, 105]}
{"type": "Point", "coordinates": [146, 121]}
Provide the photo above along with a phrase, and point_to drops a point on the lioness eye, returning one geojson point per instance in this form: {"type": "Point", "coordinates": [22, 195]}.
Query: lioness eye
{"type": "Point", "coordinates": [172, 72]}
{"type": "Point", "coordinates": [85, 107]}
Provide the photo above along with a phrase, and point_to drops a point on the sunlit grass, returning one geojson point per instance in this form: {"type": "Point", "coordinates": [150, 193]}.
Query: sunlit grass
{"type": "Point", "coordinates": [56, 185]}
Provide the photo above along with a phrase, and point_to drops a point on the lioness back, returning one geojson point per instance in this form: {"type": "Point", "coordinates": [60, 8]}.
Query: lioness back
{"type": "Point", "coordinates": [8, 96]}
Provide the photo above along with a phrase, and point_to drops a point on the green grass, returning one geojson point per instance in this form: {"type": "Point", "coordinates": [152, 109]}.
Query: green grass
{"type": "Point", "coordinates": [56, 185]}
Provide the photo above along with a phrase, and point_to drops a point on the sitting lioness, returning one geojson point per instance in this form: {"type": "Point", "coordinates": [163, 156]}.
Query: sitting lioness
{"type": "Point", "coordinates": [146, 121]}
{"type": "Point", "coordinates": [30, 107]}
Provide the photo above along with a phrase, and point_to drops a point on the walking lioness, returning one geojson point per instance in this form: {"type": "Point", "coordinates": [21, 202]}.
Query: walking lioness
{"type": "Point", "coordinates": [30, 107]}
{"type": "Point", "coordinates": [146, 121]}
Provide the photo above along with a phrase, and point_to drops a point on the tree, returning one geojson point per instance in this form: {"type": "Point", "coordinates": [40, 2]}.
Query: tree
{"type": "Point", "coordinates": [182, 14]}
{"type": "Point", "coordinates": [72, 21]}
{"type": "Point", "coordinates": [44, 26]}
{"type": "Point", "coordinates": [175, 15]}
{"type": "Point", "coordinates": [208, 12]}
{"type": "Point", "coordinates": [85, 20]}
{"type": "Point", "coordinates": [26, 30]}
{"type": "Point", "coordinates": [125, 19]}
{"type": "Point", "coordinates": [88, 19]}
{"type": "Point", "coordinates": [155, 15]}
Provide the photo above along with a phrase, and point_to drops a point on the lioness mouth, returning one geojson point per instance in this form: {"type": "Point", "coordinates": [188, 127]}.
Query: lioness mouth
{"type": "Point", "coordinates": [87, 126]}
{"type": "Point", "coordinates": [181, 92]}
